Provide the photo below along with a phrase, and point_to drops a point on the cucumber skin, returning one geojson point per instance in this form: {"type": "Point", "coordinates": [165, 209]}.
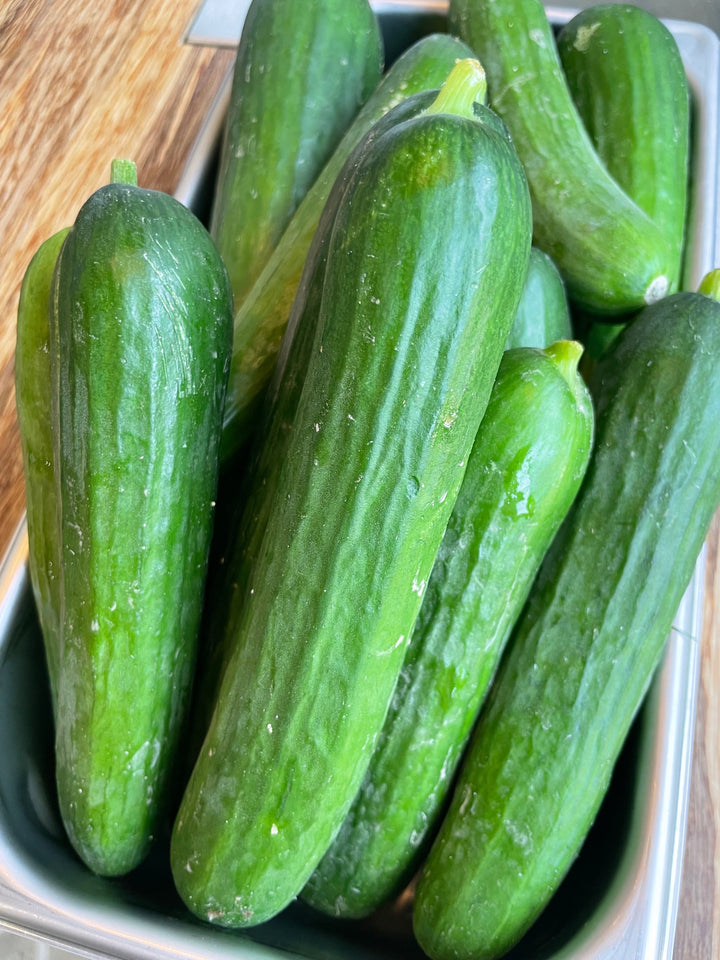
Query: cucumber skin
{"type": "Point", "coordinates": [33, 401]}
{"type": "Point", "coordinates": [302, 71]}
{"type": "Point", "coordinates": [261, 320]}
{"type": "Point", "coordinates": [613, 258]}
{"type": "Point", "coordinates": [627, 79]}
{"type": "Point", "coordinates": [286, 750]}
{"type": "Point", "coordinates": [524, 471]}
{"type": "Point", "coordinates": [249, 500]}
{"type": "Point", "coordinates": [140, 334]}
{"type": "Point", "coordinates": [580, 662]}
{"type": "Point", "coordinates": [543, 316]}
{"type": "Point", "coordinates": [250, 495]}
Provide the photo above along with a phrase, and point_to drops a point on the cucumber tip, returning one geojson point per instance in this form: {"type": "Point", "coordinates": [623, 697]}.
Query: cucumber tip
{"type": "Point", "coordinates": [657, 289]}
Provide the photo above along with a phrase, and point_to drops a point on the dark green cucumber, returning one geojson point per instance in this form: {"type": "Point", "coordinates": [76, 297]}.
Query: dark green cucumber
{"type": "Point", "coordinates": [260, 322]}
{"type": "Point", "coordinates": [248, 498]}
{"type": "Point", "coordinates": [612, 256]}
{"type": "Point", "coordinates": [372, 464]}
{"type": "Point", "coordinates": [628, 82]}
{"type": "Point", "coordinates": [301, 73]}
{"type": "Point", "coordinates": [140, 335]}
{"type": "Point", "coordinates": [32, 400]}
{"type": "Point", "coordinates": [543, 316]}
{"type": "Point", "coordinates": [525, 468]}
{"type": "Point", "coordinates": [595, 337]}
{"type": "Point", "coordinates": [589, 640]}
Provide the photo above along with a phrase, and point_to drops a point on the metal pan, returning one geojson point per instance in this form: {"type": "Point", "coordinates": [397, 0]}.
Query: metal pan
{"type": "Point", "coordinates": [620, 898]}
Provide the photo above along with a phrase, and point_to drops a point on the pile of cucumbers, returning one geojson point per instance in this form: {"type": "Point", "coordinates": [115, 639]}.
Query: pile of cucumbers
{"type": "Point", "coordinates": [381, 490]}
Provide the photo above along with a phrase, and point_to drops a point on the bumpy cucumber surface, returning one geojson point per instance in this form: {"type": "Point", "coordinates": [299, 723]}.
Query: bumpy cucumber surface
{"type": "Point", "coordinates": [373, 462]}
{"type": "Point", "coordinates": [261, 320]}
{"type": "Point", "coordinates": [612, 256]}
{"type": "Point", "coordinates": [543, 316]}
{"type": "Point", "coordinates": [33, 401]}
{"type": "Point", "coordinates": [249, 495]}
{"type": "Point", "coordinates": [589, 639]}
{"type": "Point", "coordinates": [301, 73]}
{"type": "Point", "coordinates": [525, 468]}
{"type": "Point", "coordinates": [627, 79]}
{"type": "Point", "coordinates": [140, 335]}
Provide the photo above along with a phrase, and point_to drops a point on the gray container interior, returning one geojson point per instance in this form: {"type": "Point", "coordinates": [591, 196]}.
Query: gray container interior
{"type": "Point", "coordinates": [620, 898]}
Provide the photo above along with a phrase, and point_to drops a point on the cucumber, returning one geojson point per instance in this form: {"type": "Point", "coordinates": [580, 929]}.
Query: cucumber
{"type": "Point", "coordinates": [373, 460]}
{"type": "Point", "coordinates": [543, 316]}
{"type": "Point", "coordinates": [248, 501]}
{"type": "Point", "coordinates": [140, 337]}
{"type": "Point", "coordinates": [628, 82]}
{"type": "Point", "coordinates": [596, 337]}
{"type": "Point", "coordinates": [249, 498]}
{"type": "Point", "coordinates": [32, 400]}
{"type": "Point", "coordinates": [525, 468]}
{"type": "Point", "coordinates": [612, 256]}
{"type": "Point", "coordinates": [301, 73]}
{"type": "Point", "coordinates": [260, 322]}
{"type": "Point", "coordinates": [589, 640]}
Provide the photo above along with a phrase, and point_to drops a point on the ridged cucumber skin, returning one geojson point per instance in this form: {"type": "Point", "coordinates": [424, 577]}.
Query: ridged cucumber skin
{"type": "Point", "coordinates": [33, 401]}
{"type": "Point", "coordinates": [261, 319]}
{"type": "Point", "coordinates": [302, 72]}
{"type": "Point", "coordinates": [543, 316]}
{"type": "Point", "coordinates": [245, 513]}
{"type": "Point", "coordinates": [589, 640]}
{"type": "Point", "coordinates": [140, 336]}
{"type": "Point", "coordinates": [526, 465]}
{"type": "Point", "coordinates": [435, 221]}
{"type": "Point", "coordinates": [613, 258]}
{"type": "Point", "coordinates": [628, 82]}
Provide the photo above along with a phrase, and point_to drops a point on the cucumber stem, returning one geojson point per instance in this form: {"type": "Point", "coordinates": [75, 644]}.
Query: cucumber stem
{"type": "Point", "coordinates": [123, 171]}
{"type": "Point", "coordinates": [465, 86]}
{"type": "Point", "coordinates": [566, 354]}
{"type": "Point", "coordinates": [710, 284]}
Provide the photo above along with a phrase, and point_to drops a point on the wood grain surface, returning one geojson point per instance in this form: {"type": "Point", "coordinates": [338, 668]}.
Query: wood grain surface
{"type": "Point", "coordinates": [81, 83]}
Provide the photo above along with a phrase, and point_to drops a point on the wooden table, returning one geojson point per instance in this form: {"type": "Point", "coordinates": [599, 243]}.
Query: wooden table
{"type": "Point", "coordinates": [81, 84]}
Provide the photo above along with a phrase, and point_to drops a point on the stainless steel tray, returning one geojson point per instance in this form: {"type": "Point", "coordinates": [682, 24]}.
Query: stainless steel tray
{"type": "Point", "coordinates": [620, 898]}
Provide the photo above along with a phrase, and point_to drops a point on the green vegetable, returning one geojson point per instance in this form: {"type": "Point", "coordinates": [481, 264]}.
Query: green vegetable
{"type": "Point", "coordinates": [140, 337]}
{"type": "Point", "coordinates": [589, 639]}
{"type": "Point", "coordinates": [424, 264]}
{"type": "Point", "coordinates": [525, 468]}
{"type": "Point", "coordinates": [33, 399]}
{"type": "Point", "coordinates": [301, 73]}
{"type": "Point", "coordinates": [613, 258]}
{"type": "Point", "coordinates": [260, 322]}
{"type": "Point", "coordinates": [543, 316]}
{"type": "Point", "coordinates": [628, 82]}
{"type": "Point", "coordinates": [249, 497]}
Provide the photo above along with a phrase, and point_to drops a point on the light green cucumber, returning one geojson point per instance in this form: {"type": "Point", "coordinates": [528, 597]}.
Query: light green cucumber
{"type": "Point", "coordinates": [302, 71]}
{"type": "Point", "coordinates": [613, 257]}
{"type": "Point", "coordinates": [405, 348]}
{"type": "Point", "coordinates": [543, 316]}
{"type": "Point", "coordinates": [589, 640]}
{"type": "Point", "coordinates": [260, 322]}
{"type": "Point", "coordinates": [32, 400]}
{"type": "Point", "coordinates": [525, 468]}
{"type": "Point", "coordinates": [628, 82]}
